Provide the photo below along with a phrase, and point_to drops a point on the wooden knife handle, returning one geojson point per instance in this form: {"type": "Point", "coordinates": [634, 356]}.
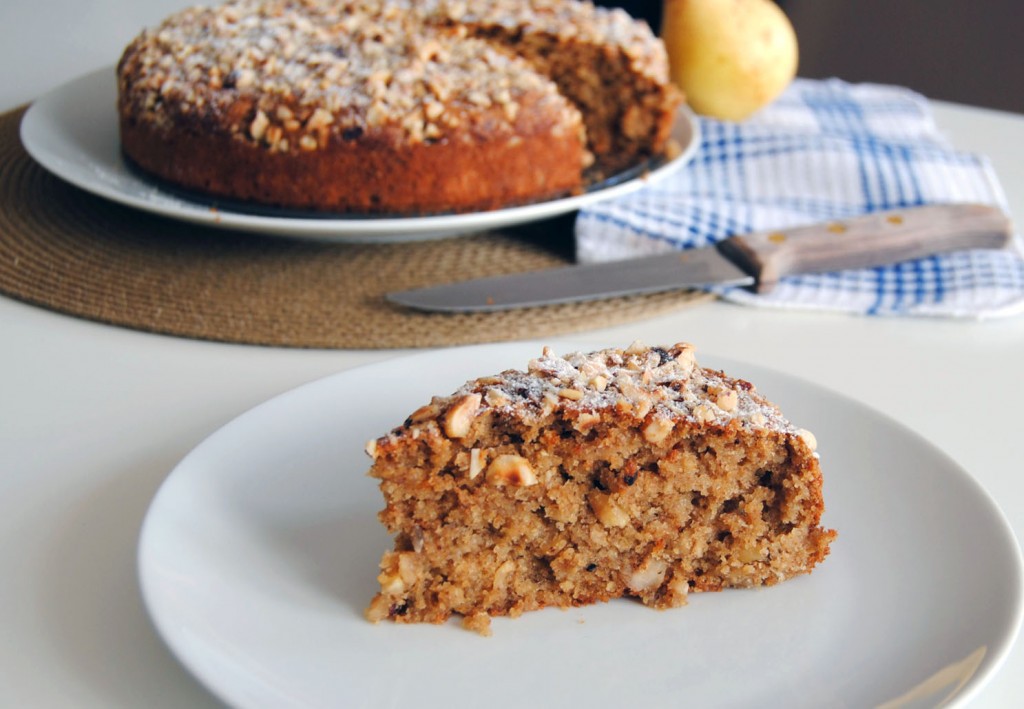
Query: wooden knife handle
{"type": "Point", "coordinates": [874, 239]}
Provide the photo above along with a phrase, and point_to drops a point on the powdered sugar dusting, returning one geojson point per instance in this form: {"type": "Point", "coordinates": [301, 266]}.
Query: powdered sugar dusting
{"type": "Point", "coordinates": [647, 383]}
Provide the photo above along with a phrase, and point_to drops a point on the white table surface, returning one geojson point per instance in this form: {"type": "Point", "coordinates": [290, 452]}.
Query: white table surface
{"type": "Point", "coordinates": [92, 418]}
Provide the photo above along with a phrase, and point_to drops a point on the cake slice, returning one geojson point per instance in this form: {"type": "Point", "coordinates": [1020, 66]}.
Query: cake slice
{"type": "Point", "coordinates": [590, 477]}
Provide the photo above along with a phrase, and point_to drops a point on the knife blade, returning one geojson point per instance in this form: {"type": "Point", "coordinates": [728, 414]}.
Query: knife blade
{"type": "Point", "coordinates": [758, 260]}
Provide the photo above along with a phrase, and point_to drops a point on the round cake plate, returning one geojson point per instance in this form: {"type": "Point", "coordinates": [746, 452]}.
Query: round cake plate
{"type": "Point", "coordinates": [261, 549]}
{"type": "Point", "coordinates": [72, 132]}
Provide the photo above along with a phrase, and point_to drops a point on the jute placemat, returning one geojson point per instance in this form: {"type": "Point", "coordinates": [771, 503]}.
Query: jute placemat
{"type": "Point", "coordinates": [64, 249]}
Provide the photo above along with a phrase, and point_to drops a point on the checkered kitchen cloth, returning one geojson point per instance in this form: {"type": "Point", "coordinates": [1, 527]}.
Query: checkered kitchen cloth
{"type": "Point", "coordinates": [823, 150]}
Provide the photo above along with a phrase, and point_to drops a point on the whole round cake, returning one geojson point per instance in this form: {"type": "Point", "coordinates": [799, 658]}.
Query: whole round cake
{"type": "Point", "coordinates": [393, 106]}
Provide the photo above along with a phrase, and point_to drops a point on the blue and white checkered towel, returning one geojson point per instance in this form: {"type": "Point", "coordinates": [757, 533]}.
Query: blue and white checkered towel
{"type": "Point", "coordinates": [824, 150]}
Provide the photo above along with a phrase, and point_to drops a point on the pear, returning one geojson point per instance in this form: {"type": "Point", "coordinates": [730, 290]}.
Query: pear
{"type": "Point", "coordinates": [730, 57]}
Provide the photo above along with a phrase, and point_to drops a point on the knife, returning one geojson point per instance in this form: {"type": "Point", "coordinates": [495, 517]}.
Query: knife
{"type": "Point", "coordinates": [757, 260]}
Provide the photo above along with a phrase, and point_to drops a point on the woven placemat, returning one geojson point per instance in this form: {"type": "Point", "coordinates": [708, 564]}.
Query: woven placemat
{"type": "Point", "coordinates": [67, 250]}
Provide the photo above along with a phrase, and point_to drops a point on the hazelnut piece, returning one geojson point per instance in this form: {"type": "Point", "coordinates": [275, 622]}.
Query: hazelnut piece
{"type": "Point", "coordinates": [657, 430]}
{"type": "Point", "coordinates": [512, 470]}
{"type": "Point", "coordinates": [727, 400]}
{"type": "Point", "coordinates": [607, 511]}
{"type": "Point", "coordinates": [460, 416]}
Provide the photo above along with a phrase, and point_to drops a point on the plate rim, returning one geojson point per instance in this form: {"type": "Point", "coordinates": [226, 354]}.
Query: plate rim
{"type": "Point", "coordinates": [990, 662]}
{"type": "Point", "coordinates": [40, 119]}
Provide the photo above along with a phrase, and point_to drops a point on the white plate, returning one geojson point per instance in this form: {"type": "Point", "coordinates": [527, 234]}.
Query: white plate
{"type": "Point", "coordinates": [260, 552]}
{"type": "Point", "coordinates": [72, 132]}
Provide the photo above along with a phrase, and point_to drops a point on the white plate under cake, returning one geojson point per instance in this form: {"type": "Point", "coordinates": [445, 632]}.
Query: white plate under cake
{"type": "Point", "coordinates": [72, 132]}
{"type": "Point", "coordinates": [257, 555]}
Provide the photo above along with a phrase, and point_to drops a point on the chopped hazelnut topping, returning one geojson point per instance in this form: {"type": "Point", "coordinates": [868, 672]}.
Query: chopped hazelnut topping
{"type": "Point", "coordinates": [656, 387]}
{"type": "Point", "coordinates": [703, 413]}
{"type": "Point", "coordinates": [727, 400]}
{"type": "Point", "coordinates": [459, 418]}
{"type": "Point", "coordinates": [657, 430]}
{"type": "Point", "coordinates": [320, 119]}
{"type": "Point", "coordinates": [511, 470]}
{"type": "Point", "coordinates": [496, 398]}
{"type": "Point", "coordinates": [636, 348]}
{"type": "Point", "coordinates": [424, 413]}
{"type": "Point", "coordinates": [259, 125]}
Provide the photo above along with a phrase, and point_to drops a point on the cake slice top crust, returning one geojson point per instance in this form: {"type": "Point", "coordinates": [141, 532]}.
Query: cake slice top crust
{"type": "Point", "coordinates": [649, 387]}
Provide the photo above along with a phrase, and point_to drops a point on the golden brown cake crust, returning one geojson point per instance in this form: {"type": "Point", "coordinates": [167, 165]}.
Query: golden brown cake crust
{"type": "Point", "coordinates": [590, 477]}
{"type": "Point", "coordinates": [359, 176]}
{"type": "Point", "coordinates": [383, 106]}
